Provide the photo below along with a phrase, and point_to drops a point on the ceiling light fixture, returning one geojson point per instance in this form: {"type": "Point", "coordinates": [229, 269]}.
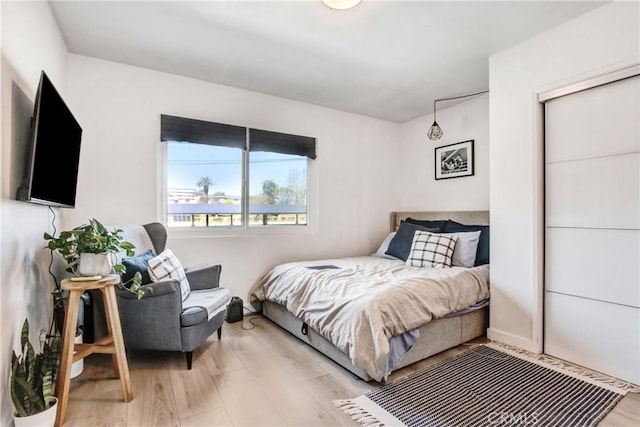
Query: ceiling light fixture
{"type": "Point", "coordinates": [341, 4]}
{"type": "Point", "coordinates": [435, 131]}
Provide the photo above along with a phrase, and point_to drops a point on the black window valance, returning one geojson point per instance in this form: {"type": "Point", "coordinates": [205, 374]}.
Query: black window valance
{"type": "Point", "coordinates": [275, 142]}
{"type": "Point", "coordinates": [181, 129]}
{"type": "Point", "coordinates": [201, 132]}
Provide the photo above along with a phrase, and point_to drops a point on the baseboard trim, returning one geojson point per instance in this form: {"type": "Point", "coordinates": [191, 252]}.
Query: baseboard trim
{"type": "Point", "coordinates": [507, 338]}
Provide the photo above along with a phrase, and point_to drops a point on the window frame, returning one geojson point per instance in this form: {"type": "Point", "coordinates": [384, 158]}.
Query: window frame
{"type": "Point", "coordinates": [311, 226]}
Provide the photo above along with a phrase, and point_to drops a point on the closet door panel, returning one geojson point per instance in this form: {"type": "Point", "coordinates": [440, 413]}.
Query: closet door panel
{"type": "Point", "coordinates": [592, 228]}
{"type": "Point", "coordinates": [594, 334]}
{"type": "Point", "coordinates": [607, 114]}
{"type": "Point", "coordinates": [602, 192]}
{"type": "Point", "coordinates": [596, 264]}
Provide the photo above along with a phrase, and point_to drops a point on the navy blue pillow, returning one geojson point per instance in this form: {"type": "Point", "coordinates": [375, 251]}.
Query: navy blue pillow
{"type": "Point", "coordinates": [400, 245]}
{"type": "Point", "coordinates": [439, 223]}
{"type": "Point", "coordinates": [482, 253]}
{"type": "Point", "coordinates": [137, 264]}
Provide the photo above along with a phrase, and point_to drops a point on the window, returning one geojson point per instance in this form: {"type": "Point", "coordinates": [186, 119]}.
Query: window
{"type": "Point", "coordinates": [204, 185]}
{"type": "Point", "coordinates": [232, 177]}
{"type": "Point", "coordinates": [277, 189]}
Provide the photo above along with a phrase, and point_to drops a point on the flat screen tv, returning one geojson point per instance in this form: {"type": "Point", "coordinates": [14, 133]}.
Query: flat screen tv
{"type": "Point", "coordinates": [52, 165]}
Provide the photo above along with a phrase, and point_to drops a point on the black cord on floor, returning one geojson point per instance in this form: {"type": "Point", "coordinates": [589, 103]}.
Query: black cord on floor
{"type": "Point", "coordinates": [249, 318]}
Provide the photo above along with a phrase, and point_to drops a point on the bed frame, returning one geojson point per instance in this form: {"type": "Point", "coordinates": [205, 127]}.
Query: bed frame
{"type": "Point", "coordinates": [435, 336]}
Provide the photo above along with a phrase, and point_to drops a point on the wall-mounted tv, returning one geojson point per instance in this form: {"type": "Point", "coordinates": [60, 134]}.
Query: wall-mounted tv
{"type": "Point", "coordinates": [52, 165]}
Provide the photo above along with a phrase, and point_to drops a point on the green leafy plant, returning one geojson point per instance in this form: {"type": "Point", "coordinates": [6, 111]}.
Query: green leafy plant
{"type": "Point", "coordinates": [94, 238]}
{"type": "Point", "coordinates": [33, 375]}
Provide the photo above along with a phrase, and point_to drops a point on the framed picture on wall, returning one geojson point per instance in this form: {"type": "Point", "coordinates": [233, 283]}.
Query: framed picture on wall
{"type": "Point", "coordinates": [454, 160]}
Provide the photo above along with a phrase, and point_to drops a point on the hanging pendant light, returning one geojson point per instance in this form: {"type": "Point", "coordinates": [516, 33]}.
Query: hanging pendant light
{"type": "Point", "coordinates": [435, 131]}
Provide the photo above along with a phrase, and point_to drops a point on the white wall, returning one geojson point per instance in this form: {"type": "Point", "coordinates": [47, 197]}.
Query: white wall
{"type": "Point", "coordinates": [419, 189]}
{"type": "Point", "coordinates": [600, 41]}
{"type": "Point", "coordinates": [31, 42]}
{"type": "Point", "coordinates": [119, 109]}
{"type": "Point", "coordinates": [359, 160]}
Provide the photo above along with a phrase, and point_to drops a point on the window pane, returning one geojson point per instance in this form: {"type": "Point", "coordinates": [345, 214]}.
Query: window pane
{"type": "Point", "coordinates": [277, 189]}
{"type": "Point", "coordinates": [204, 185]}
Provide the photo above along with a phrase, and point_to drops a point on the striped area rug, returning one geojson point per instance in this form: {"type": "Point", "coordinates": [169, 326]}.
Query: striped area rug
{"type": "Point", "coordinates": [484, 387]}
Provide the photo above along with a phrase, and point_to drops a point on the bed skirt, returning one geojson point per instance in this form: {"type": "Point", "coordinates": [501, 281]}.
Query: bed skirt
{"type": "Point", "coordinates": [435, 337]}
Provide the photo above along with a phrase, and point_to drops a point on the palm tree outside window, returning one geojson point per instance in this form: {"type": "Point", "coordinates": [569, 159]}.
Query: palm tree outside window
{"type": "Point", "coordinates": [204, 183]}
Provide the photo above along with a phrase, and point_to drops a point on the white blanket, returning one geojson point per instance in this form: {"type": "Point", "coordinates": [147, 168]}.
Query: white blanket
{"type": "Point", "coordinates": [364, 302]}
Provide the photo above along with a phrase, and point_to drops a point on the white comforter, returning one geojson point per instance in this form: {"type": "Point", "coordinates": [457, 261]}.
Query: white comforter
{"type": "Point", "coordinates": [367, 300]}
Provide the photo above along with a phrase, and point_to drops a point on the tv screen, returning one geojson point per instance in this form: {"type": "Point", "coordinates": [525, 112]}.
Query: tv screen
{"type": "Point", "coordinates": [55, 150]}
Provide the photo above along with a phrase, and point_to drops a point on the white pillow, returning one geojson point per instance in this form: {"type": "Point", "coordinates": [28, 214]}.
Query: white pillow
{"type": "Point", "coordinates": [431, 250]}
{"type": "Point", "coordinates": [464, 254]}
{"type": "Point", "coordinates": [384, 246]}
{"type": "Point", "coordinates": [167, 267]}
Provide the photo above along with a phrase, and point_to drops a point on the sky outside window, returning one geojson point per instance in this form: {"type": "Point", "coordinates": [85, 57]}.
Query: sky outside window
{"type": "Point", "coordinates": [187, 163]}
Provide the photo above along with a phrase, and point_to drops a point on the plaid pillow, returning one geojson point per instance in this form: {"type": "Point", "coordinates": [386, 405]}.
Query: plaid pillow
{"type": "Point", "coordinates": [431, 250]}
{"type": "Point", "coordinates": [167, 267]}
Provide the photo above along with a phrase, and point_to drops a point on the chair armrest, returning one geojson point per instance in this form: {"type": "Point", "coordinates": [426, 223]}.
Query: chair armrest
{"type": "Point", "coordinates": [204, 277]}
{"type": "Point", "coordinates": [152, 322]}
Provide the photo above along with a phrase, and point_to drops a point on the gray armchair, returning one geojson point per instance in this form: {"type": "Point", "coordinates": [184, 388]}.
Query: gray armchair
{"type": "Point", "coordinates": [161, 320]}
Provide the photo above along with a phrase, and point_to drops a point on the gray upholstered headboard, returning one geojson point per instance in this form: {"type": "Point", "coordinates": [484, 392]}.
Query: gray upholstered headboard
{"type": "Point", "coordinates": [463, 217]}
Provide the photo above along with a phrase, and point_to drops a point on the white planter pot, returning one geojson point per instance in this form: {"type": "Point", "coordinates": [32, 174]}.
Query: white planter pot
{"type": "Point", "coordinates": [94, 265]}
{"type": "Point", "coordinates": [46, 418]}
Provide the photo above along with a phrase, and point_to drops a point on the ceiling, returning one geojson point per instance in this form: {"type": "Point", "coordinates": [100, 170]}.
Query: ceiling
{"type": "Point", "coordinates": [383, 59]}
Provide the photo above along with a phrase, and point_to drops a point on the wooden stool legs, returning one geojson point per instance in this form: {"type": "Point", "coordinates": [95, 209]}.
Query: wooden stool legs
{"type": "Point", "coordinates": [68, 337]}
{"type": "Point", "coordinates": [112, 344]}
{"type": "Point", "coordinates": [115, 330]}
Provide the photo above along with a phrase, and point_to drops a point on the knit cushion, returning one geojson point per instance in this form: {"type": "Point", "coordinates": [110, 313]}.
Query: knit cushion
{"type": "Point", "coordinates": [167, 267]}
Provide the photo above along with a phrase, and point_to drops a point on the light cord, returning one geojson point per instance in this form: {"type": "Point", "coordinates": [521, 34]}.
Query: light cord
{"type": "Point", "coordinates": [435, 132]}
{"type": "Point", "coordinates": [454, 97]}
{"type": "Point", "coordinates": [461, 96]}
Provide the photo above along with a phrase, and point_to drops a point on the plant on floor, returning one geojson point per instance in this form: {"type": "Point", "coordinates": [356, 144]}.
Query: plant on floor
{"type": "Point", "coordinates": [33, 375]}
{"type": "Point", "coordinates": [94, 238]}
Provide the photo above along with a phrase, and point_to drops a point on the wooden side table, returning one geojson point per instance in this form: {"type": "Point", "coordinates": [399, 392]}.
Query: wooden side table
{"type": "Point", "coordinates": [111, 344]}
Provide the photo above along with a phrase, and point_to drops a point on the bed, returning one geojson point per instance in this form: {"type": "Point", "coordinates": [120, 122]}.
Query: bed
{"type": "Point", "coordinates": [360, 347]}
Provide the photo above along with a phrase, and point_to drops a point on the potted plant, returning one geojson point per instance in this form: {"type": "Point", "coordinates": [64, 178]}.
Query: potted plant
{"type": "Point", "coordinates": [82, 245]}
{"type": "Point", "coordinates": [33, 378]}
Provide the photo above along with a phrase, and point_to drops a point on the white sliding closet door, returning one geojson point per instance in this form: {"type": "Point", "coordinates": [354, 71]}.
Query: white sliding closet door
{"type": "Point", "coordinates": [592, 236]}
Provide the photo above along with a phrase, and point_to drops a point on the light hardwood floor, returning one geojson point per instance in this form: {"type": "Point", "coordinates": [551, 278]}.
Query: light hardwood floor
{"type": "Point", "coordinates": [262, 376]}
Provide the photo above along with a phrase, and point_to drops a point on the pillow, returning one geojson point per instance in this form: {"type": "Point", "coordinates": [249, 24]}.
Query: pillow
{"type": "Point", "coordinates": [137, 264]}
{"type": "Point", "coordinates": [431, 250]}
{"type": "Point", "coordinates": [400, 244]}
{"type": "Point", "coordinates": [167, 267]}
{"type": "Point", "coordinates": [439, 223]}
{"type": "Point", "coordinates": [464, 255]}
{"type": "Point", "coordinates": [482, 254]}
{"type": "Point", "coordinates": [384, 246]}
